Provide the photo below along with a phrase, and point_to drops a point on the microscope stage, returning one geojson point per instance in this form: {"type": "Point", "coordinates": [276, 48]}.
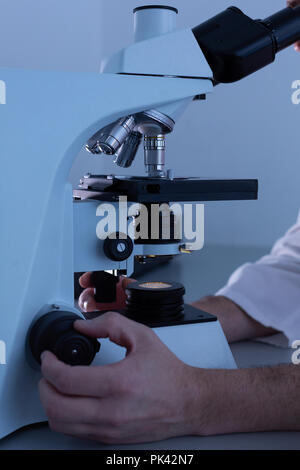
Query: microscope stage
{"type": "Point", "coordinates": [163, 190]}
{"type": "Point", "coordinates": [190, 315]}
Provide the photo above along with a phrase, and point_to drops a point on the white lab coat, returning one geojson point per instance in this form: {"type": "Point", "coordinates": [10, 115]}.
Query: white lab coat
{"type": "Point", "coordinates": [269, 290]}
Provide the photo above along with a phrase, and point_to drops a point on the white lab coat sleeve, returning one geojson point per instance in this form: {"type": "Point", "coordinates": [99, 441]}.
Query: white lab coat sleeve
{"type": "Point", "coordinates": [269, 290]}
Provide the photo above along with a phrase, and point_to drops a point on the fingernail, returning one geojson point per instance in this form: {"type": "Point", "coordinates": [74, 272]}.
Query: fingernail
{"type": "Point", "coordinates": [43, 355]}
{"type": "Point", "coordinates": [85, 305]}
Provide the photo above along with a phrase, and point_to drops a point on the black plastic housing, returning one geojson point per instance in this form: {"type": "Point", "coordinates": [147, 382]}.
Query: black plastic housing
{"type": "Point", "coordinates": [54, 332]}
{"type": "Point", "coordinates": [105, 286]}
{"type": "Point", "coordinates": [285, 26]}
{"type": "Point", "coordinates": [190, 315]}
{"type": "Point", "coordinates": [236, 46]}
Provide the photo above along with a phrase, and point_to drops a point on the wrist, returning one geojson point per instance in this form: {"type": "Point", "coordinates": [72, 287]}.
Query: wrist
{"type": "Point", "coordinates": [237, 324]}
{"type": "Point", "coordinates": [212, 401]}
{"type": "Point", "coordinates": [226, 401]}
{"type": "Point", "coordinates": [200, 405]}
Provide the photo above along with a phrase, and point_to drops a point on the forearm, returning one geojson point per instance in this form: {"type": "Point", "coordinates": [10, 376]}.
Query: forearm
{"type": "Point", "coordinates": [246, 400]}
{"type": "Point", "coordinates": [236, 323]}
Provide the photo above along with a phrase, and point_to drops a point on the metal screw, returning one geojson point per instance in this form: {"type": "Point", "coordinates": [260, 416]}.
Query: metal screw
{"type": "Point", "coordinates": [170, 174]}
{"type": "Point", "coordinates": [185, 249]}
{"type": "Point", "coordinates": [121, 247]}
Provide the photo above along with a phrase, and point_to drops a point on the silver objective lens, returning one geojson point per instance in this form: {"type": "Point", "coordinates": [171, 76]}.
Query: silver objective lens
{"type": "Point", "coordinates": [155, 150]}
{"type": "Point", "coordinates": [127, 152]}
{"type": "Point", "coordinates": [122, 139]}
{"type": "Point", "coordinates": [110, 139]}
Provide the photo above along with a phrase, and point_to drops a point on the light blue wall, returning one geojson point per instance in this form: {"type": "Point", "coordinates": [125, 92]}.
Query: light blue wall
{"type": "Point", "coordinates": [51, 34]}
{"type": "Point", "coordinates": [245, 130]}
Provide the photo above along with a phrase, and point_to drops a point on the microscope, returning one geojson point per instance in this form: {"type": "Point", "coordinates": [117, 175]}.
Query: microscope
{"type": "Point", "coordinates": [50, 231]}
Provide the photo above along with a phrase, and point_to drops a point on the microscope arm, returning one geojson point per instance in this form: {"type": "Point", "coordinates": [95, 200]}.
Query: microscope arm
{"type": "Point", "coordinates": [232, 46]}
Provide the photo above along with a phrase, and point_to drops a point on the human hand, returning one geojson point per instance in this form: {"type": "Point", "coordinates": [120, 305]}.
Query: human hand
{"type": "Point", "coordinates": [87, 301]}
{"type": "Point", "coordinates": [144, 397]}
{"type": "Point", "coordinates": [293, 4]}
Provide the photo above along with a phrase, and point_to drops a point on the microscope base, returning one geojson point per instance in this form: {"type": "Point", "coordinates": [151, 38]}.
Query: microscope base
{"type": "Point", "coordinates": [200, 344]}
{"type": "Point", "coordinates": [198, 340]}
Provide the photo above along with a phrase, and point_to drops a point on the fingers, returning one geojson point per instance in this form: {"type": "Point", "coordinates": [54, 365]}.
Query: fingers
{"type": "Point", "coordinates": [297, 46]}
{"type": "Point", "coordinates": [293, 3]}
{"type": "Point", "coordinates": [125, 281]}
{"type": "Point", "coordinates": [85, 280]}
{"type": "Point", "coordinates": [81, 431]}
{"type": "Point", "coordinates": [68, 409]}
{"type": "Point", "coordinates": [97, 381]}
{"type": "Point", "coordinates": [116, 327]}
{"type": "Point", "coordinates": [87, 301]}
{"type": "Point", "coordinates": [85, 418]}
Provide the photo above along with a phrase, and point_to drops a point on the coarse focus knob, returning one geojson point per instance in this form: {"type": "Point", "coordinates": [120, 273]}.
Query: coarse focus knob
{"type": "Point", "coordinates": [54, 332]}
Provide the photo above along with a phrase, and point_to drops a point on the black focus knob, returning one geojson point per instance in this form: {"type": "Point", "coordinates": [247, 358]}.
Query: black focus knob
{"type": "Point", "coordinates": [118, 248]}
{"type": "Point", "coordinates": [105, 286]}
{"type": "Point", "coordinates": [54, 332]}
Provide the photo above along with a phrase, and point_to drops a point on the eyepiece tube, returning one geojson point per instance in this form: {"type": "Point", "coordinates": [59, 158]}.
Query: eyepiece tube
{"type": "Point", "coordinates": [285, 26]}
{"type": "Point", "coordinates": [235, 45]}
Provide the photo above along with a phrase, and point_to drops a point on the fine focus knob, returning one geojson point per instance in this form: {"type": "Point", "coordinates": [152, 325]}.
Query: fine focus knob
{"type": "Point", "coordinates": [118, 248]}
{"type": "Point", "coordinates": [54, 332]}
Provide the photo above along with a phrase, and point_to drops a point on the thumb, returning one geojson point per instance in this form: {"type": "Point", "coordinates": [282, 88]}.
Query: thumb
{"type": "Point", "coordinates": [293, 3]}
{"type": "Point", "coordinates": [119, 329]}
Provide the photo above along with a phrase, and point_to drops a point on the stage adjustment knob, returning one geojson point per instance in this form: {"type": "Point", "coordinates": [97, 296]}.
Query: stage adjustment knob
{"type": "Point", "coordinates": [105, 286]}
{"type": "Point", "coordinates": [54, 332]}
{"type": "Point", "coordinates": [118, 248]}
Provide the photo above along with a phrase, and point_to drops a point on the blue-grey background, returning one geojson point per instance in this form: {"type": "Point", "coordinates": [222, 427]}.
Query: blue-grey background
{"type": "Point", "coordinates": [245, 130]}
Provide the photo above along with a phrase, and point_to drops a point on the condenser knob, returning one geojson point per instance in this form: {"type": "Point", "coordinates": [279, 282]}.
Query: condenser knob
{"type": "Point", "coordinates": [118, 248]}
